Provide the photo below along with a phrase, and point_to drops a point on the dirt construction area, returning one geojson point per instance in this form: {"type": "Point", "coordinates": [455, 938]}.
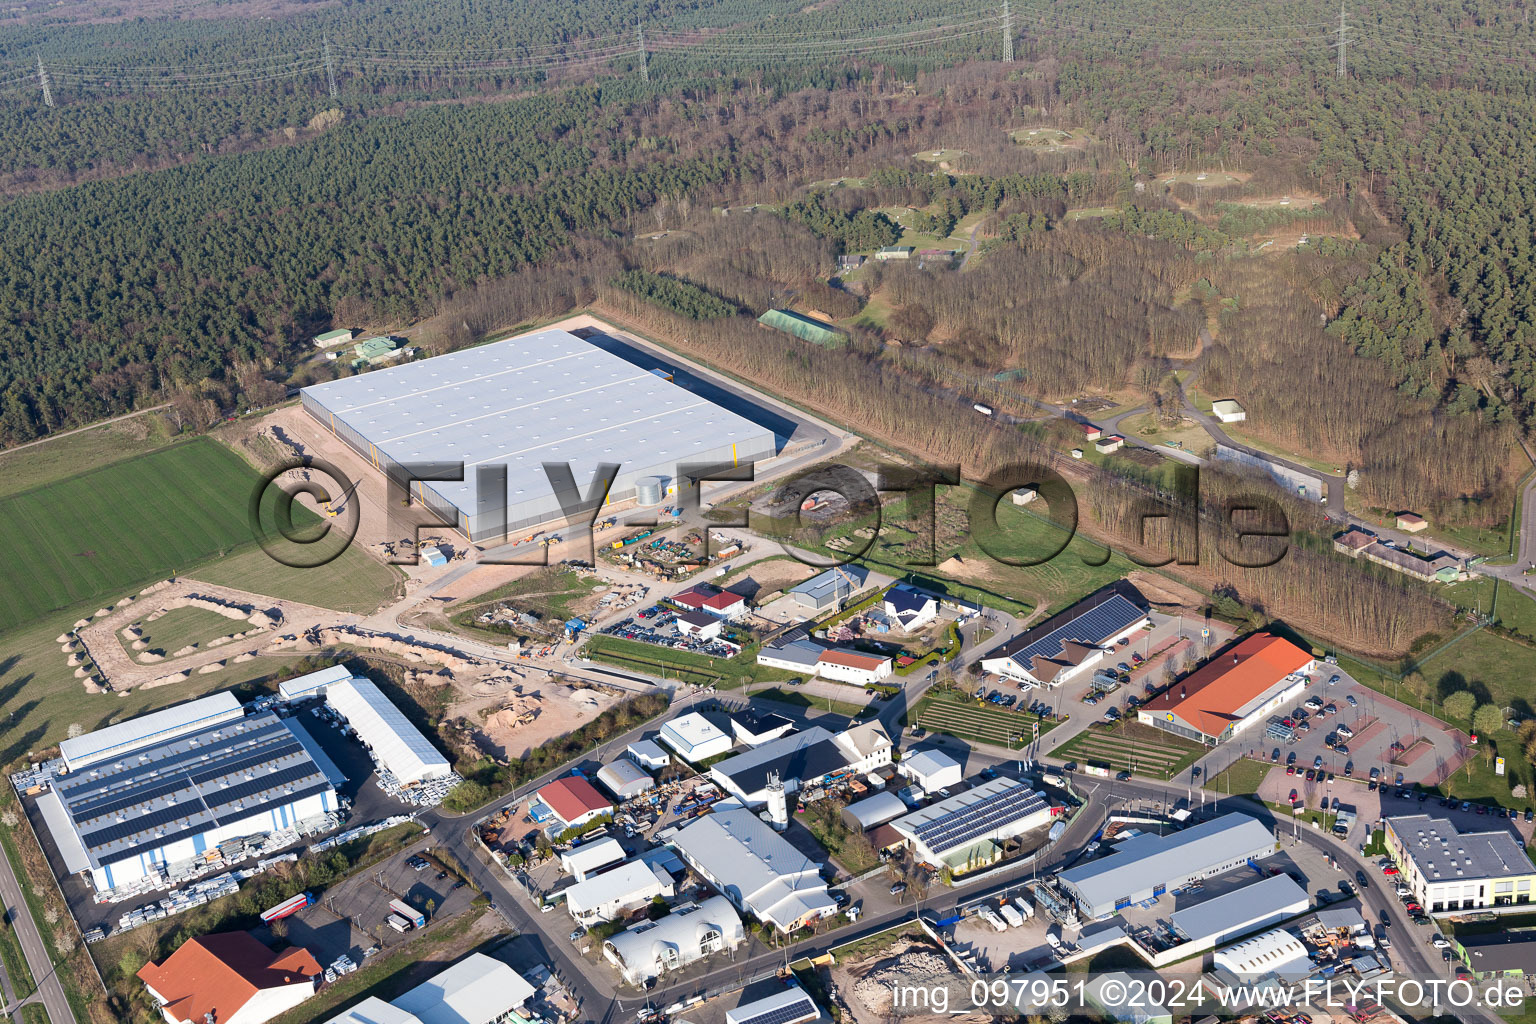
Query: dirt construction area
{"type": "Point", "coordinates": [866, 984]}
{"type": "Point", "coordinates": [515, 716]}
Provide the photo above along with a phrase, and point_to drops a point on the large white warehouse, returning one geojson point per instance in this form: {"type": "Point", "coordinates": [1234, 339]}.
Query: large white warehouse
{"type": "Point", "coordinates": [397, 745]}
{"type": "Point", "coordinates": [519, 403]}
{"type": "Point", "coordinates": [170, 802]}
{"type": "Point", "coordinates": [156, 727]}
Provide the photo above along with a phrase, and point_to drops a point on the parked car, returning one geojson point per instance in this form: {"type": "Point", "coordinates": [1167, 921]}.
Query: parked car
{"type": "Point", "coordinates": [1349, 699]}
{"type": "Point", "coordinates": [898, 888]}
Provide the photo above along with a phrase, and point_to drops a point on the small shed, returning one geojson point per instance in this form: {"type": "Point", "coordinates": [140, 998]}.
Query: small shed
{"type": "Point", "coordinates": [931, 770]}
{"type": "Point", "coordinates": [433, 555]}
{"type": "Point", "coordinates": [1024, 495]}
{"type": "Point", "coordinates": [1112, 443]}
{"type": "Point", "coordinates": [1228, 411]}
{"type": "Point", "coordinates": [1409, 522]}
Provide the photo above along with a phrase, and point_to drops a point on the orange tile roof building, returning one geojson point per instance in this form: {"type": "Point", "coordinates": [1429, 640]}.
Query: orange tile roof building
{"type": "Point", "coordinates": [1232, 691]}
{"type": "Point", "coordinates": [229, 978]}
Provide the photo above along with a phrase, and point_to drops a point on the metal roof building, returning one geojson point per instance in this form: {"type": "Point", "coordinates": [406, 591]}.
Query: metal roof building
{"type": "Point", "coordinates": [691, 932]}
{"type": "Point", "coordinates": [396, 744]}
{"type": "Point", "coordinates": [1147, 865]}
{"type": "Point", "coordinates": [755, 868]}
{"type": "Point", "coordinates": [789, 1006]}
{"type": "Point", "coordinates": [1242, 910]}
{"type": "Point", "coordinates": [313, 683]}
{"type": "Point", "coordinates": [964, 831]}
{"type": "Point", "coordinates": [156, 727]}
{"type": "Point", "coordinates": [1274, 953]}
{"type": "Point", "coordinates": [647, 754]}
{"type": "Point", "coordinates": [624, 779]}
{"type": "Point", "coordinates": [865, 814]}
{"type": "Point", "coordinates": [476, 990]}
{"type": "Point", "coordinates": [830, 588]}
{"type": "Point", "coordinates": [543, 397]}
{"type": "Point", "coordinates": [171, 803]}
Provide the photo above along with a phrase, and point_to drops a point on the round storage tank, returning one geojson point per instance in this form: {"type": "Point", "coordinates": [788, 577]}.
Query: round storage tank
{"type": "Point", "coordinates": [649, 489]}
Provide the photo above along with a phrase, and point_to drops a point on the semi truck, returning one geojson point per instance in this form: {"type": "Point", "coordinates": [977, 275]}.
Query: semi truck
{"type": "Point", "coordinates": [410, 913]}
{"type": "Point", "coordinates": [289, 906]}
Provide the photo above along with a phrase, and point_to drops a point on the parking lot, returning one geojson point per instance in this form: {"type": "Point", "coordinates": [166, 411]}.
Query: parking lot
{"type": "Point", "coordinates": [1403, 745]}
{"type": "Point", "coordinates": [351, 917]}
{"type": "Point", "coordinates": [658, 625]}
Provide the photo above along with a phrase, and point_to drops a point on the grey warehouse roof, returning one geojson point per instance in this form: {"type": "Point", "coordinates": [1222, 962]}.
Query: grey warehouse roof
{"type": "Point", "coordinates": [147, 729]}
{"type": "Point", "coordinates": [1254, 902]}
{"type": "Point", "coordinates": [186, 786]}
{"type": "Point", "coordinates": [1445, 855]}
{"type": "Point", "coordinates": [966, 817]}
{"type": "Point", "coordinates": [543, 397]}
{"type": "Point", "coordinates": [1093, 620]}
{"type": "Point", "coordinates": [808, 754]}
{"type": "Point", "coordinates": [1147, 860]}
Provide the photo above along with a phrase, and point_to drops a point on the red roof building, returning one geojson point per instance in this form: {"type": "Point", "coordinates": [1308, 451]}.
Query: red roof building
{"type": "Point", "coordinates": [574, 800]}
{"type": "Point", "coordinates": [1090, 432]}
{"type": "Point", "coordinates": [229, 978]}
{"type": "Point", "coordinates": [1232, 691]}
{"type": "Point", "coordinates": [704, 598]}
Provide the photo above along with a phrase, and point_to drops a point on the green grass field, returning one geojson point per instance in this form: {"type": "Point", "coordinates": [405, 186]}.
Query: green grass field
{"type": "Point", "coordinates": [94, 537]}
{"type": "Point", "coordinates": [799, 699]}
{"type": "Point", "coordinates": [1242, 778]}
{"type": "Point", "coordinates": [182, 626]}
{"type": "Point", "coordinates": [957, 715]}
{"type": "Point", "coordinates": [63, 457]}
{"type": "Point", "coordinates": [1132, 745]}
{"type": "Point", "coordinates": [354, 582]}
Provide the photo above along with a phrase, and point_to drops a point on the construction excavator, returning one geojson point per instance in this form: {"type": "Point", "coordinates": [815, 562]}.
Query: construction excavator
{"type": "Point", "coordinates": [336, 506]}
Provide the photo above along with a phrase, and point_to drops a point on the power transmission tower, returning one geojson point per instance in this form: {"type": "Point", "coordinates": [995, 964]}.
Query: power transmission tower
{"type": "Point", "coordinates": [42, 79]}
{"type": "Point", "coordinates": [1343, 42]}
{"type": "Point", "coordinates": [1007, 34]}
{"type": "Point", "coordinates": [330, 68]}
{"type": "Point", "coordinates": [645, 71]}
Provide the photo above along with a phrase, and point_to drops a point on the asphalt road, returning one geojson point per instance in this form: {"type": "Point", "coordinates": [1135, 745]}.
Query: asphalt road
{"type": "Point", "coordinates": [39, 960]}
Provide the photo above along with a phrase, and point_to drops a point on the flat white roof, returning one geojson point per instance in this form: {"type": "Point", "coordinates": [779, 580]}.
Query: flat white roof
{"type": "Point", "coordinates": [291, 688]}
{"type": "Point", "coordinates": [476, 990]}
{"type": "Point", "coordinates": [151, 728]}
{"type": "Point", "coordinates": [543, 397]}
{"type": "Point", "coordinates": [397, 743]}
{"type": "Point", "coordinates": [593, 856]}
{"type": "Point", "coordinates": [926, 763]}
{"type": "Point", "coordinates": [1226, 914]}
{"type": "Point", "coordinates": [620, 883]}
{"type": "Point", "coordinates": [689, 734]}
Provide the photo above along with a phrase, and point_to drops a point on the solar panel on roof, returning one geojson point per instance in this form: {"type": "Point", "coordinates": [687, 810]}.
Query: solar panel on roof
{"type": "Point", "coordinates": [968, 823]}
{"type": "Point", "coordinates": [797, 1010]}
{"type": "Point", "coordinates": [1093, 626]}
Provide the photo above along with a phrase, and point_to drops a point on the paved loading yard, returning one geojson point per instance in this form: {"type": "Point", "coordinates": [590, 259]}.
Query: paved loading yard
{"type": "Point", "coordinates": [1425, 752]}
{"type": "Point", "coordinates": [350, 918]}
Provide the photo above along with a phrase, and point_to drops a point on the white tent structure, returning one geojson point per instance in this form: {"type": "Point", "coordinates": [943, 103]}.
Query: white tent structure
{"type": "Point", "coordinates": [397, 745]}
